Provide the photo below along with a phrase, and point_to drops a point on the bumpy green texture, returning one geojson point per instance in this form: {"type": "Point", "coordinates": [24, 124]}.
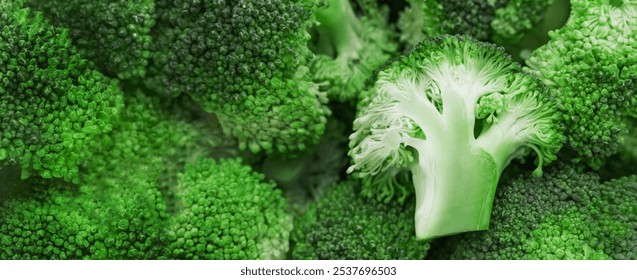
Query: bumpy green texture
{"type": "Point", "coordinates": [227, 212]}
{"type": "Point", "coordinates": [589, 65]}
{"type": "Point", "coordinates": [115, 35]}
{"type": "Point", "coordinates": [247, 61]}
{"type": "Point", "coordinates": [500, 21]}
{"type": "Point", "coordinates": [117, 219]}
{"type": "Point", "coordinates": [159, 136]}
{"type": "Point", "coordinates": [562, 215]}
{"type": "Point", "coordinates": [349, 46]}
{"type": "Point", "coordinates": [344, 225]}
{"type": "Point", "coordinates": [455, 92]}
{"type": "Point", "coordinates": [52, 103]}
{"type": "Point", "coordinates": [119, 209]}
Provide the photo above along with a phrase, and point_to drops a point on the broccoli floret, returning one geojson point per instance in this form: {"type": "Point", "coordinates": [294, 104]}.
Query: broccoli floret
{"type": "Point", "coordinates": [500, 21]}
{"type": "Point", "coordinates": [118, 219]}
{"type": "Point", "coordinates": [52, 103]}
{"type": "Point", "coordinates": [563, 215]}
{"type": "Point", "coordinates": [589, 65]}
{"type": "Point", "coordinates": [246, 61]}
{"type": "Point", "coordinates": [454, 112]}
{"type": "Point", "coordinates": [344, 225]}
{"type": "Point", "coordinates": [349, 46]}
{"type": "Point", "coordinates": [227, 212]}
{"type": "Point", "coordinates": [113, 34]}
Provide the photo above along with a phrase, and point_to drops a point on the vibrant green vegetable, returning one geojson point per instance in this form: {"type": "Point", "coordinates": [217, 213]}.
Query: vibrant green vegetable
{"type": "Point", "coordinates": [318, 129]}
{"type": "Point", "coordinates": [115, 35]}
{"type": "Point", "coordinates": [454, 112]}
{"type": "Point", "coordinates": [120, 218]}
{"type": "Point", "coordinates": [227, 212]}
{"type": "Point", "coordinates": [53, 105]}
{"type": "Point", "coordinates": [247, 61]}
{"type": "Point", "coordinates": [589, 66]}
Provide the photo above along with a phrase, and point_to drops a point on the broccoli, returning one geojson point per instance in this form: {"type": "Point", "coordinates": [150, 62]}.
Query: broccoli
{"type": "Point", "coordinates": [589, 66]}
{"type": "Point", "coordinates": [296, 129]}
{"type": "Point", "coordinates": [563, 215]}
{"type": "Point", "coordinates": [349, 48]}
{"type": "Point", "coordinates": [227, 212]}
{"type": "Point", "coordinates": [500, 21]}
{"type": "Point", "coordinates": [344, 225]}
{"type": "Point", "coordinates": [158, 135]}
{"type": "Point", "coordinates": [115, 35]}
{"type": "Point", "coordinates": [118, 219]}
{"type": "Point", "coordinates": [454, 112]}
{"type": "Point", "coordinates": [53, 105]}
{"type": "Point", "coordinates": [248, 62]}
{"type": "Point", "coordinates": [121, 206]}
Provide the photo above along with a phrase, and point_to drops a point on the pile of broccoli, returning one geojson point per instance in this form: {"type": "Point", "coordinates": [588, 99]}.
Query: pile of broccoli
{"type": "Point", "coordinates": [318, 129]}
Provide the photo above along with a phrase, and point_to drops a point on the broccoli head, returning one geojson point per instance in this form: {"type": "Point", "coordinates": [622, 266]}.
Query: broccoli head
{"type": "Point", "coordinates": [342, 224]}
{"type": "Point", "coordinates": [115, 35]}
{"type": "Point", "coordinates": [248, 62]}
{"type": "Point", "coordinates": [563, 215]}
{"type": "Point", "coordinates": [454, 112]}
{"type": "Point", "coordinates": [227, 211]}
{"type": "Point", "coordinates": [53, 105]}
{"type": "Point", "coordinates": [589, 66]}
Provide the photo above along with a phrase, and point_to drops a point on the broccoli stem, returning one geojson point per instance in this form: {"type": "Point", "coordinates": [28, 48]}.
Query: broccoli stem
{"type": "Point", "coordinates": [454, 191]}
{"type": "Point", "coordinates": [339, 30]}
{"type": "Point", "coordinates": [454, 177]}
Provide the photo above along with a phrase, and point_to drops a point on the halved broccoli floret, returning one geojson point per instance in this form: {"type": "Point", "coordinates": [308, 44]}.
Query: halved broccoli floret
{"type": "Point", "coordinates": [563, 215]}
{"type": "Point", "coordinates": [454, 112]}
{"type": "Point", "coordinates": [589, 66]}
{"type": "Point", "coordinates": [53, 105]}
{"type": "Point", "coordinates": [342, 224]}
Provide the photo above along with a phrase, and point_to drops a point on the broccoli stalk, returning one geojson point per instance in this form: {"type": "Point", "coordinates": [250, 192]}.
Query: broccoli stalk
{"type": "Point", "coordinates": [340, 29]}
{"type": "Point", "coordinates": [349, 47]}
{"type": "Point", "coordinates": [455, 112]}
